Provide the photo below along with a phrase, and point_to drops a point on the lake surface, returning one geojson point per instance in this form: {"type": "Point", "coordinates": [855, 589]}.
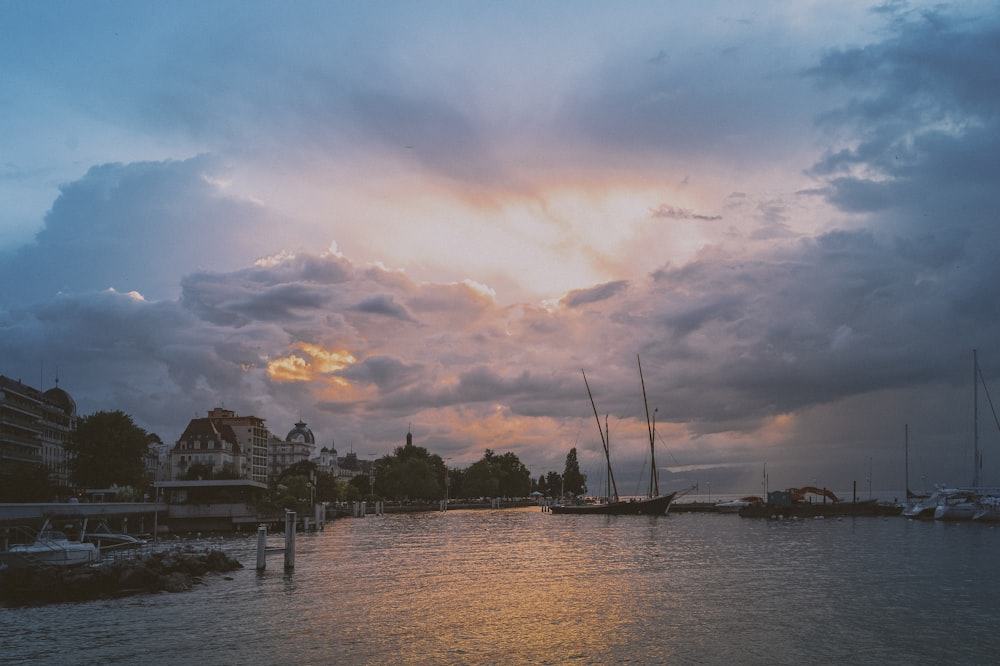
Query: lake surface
{"type": "Point", "coordinates": [526, 587]}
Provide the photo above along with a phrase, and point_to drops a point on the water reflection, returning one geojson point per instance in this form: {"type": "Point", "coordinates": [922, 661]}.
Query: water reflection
{"type": "Point", "coordinates": [523, 587]}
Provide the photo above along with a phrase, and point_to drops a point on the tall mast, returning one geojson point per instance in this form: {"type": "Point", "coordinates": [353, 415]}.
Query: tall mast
{"type": "Point", "coordinates": [654, 476]}
{"type": "Point", "coordinates": [612, 487]}
{"type": "Point", "coordinates": [975, 420]}
{"type": "Point", "coordinates": [906, 459]}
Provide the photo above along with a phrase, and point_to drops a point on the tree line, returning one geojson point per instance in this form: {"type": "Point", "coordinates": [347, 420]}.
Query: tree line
{"type": "Point", "coordinates": [108, 449]}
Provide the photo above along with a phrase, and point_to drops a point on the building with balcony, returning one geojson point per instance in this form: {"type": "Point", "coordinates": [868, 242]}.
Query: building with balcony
{"type": "Point", "coordinates": [222, 443]}
{"type": "Point", "coordinates": [298, 446]}
{"type": "Point", "coordinates": [35, 427]}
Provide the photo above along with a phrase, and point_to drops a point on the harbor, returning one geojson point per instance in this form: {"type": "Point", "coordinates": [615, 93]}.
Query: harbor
{"type": "Point", "coordinates": [522, 586]}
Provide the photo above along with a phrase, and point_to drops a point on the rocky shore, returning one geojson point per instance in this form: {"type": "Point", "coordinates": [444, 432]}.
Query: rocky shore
{"type": "Point", "coordinates": [163, 571]}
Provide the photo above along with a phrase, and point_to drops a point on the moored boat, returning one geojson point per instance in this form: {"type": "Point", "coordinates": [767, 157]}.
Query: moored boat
{"type": "Point", "coordinates": [654, 504]}
{"type": "Point", "coordinates": [956, 507]}
{"type": "Point", "coordinates": [647, 506]}
{"type": "Point", "coordinates": [50, 548]}
{"type": "Point", "coordinates": [733, 506]}
{"type": "Point", "coordinates": [988, 509]}
{"type": "Point", "coordinates": [108, 540]}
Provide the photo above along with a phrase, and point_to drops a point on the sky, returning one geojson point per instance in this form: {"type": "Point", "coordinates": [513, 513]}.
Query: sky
{"type": "Point", "coordinates": [433, 217]}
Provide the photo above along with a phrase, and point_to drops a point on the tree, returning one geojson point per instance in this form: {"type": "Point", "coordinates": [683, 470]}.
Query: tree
{"type": "Point", "coordinates": [327, 487]}
{"type": "Point", "coordinates": [411, 472]}
{"type": "Point", "coordinates": [554, 482]}
{"type": "Point", "coordinates": [198, 471]}
{"type": "Point", "coordinates": [25, 482]}
{"type": "Point", "coordinates": [496, 476]}
{"type": "Point", "coordinates": [574, 483]}
{"type": "Point", "coordinates": [106, 449]}
{"type": "Point", "coordinates": [358, 488]}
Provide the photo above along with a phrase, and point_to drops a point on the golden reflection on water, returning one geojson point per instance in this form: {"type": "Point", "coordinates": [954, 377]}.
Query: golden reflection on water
{"type": "Point", "coordinates": [443, 590]}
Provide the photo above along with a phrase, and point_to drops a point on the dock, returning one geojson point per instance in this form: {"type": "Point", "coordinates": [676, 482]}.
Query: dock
{"type": "Point", "coordinates": [37, 511]}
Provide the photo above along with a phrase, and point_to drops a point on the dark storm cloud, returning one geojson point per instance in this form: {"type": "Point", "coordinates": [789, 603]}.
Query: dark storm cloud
{"type": "Point", "coordinates": [386, 372]}
{"type": "Point", "coordinates": [924, 109]}
{"type": "Point", "coordinates": [579, 297]}
{"type": "Point", "coordinates": [134, 227]}
{"type": "Point", "coordinates": [385, 305]}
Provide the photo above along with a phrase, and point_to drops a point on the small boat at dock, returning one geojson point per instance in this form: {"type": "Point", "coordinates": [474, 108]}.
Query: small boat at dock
{"type": "Point", "coordinates": [48, 547]}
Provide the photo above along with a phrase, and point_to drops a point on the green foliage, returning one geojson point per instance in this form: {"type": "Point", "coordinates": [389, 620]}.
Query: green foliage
{"type": "Point", "coordinates": [496, 476]}
{"type": "Point", "coordinates": [328, 487]}
{"type": "Point", "coordinates": [411, 472]}
{"type": "Point", "coordinates": [358, 488]}
{"type": "Point", "coordinates": [297, 485]}
{"type": "Point", "coordinates": [204, 472]}
{"type": "Point", "coordinates": [574, 483]}
{"type": "Point", "coordinates": [304, 472]}
{"type": "Point", "coordinates": [108, 448]}
{"type": "Point", "coordinates": [301, 468]}
{"type": "Point", "coordinates": [554, 482]}
{"type": "Point", "coordinates": [25, 482]}
{"type": "Point", "coordinates": [198, 471]}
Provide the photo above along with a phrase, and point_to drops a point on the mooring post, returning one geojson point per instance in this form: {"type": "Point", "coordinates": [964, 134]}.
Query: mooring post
{"type": "Point", "coordinates": [261, 547]}
{"type": "Point", "coordinates": [289, 539]}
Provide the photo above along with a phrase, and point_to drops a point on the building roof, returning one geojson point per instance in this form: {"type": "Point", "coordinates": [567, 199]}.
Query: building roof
{"type": "Point", "coordinates": [206, 429]}
{"type": "Point", "coordinates": [62, 400]}
{"type": "Point", "coordinates": [300, 433]}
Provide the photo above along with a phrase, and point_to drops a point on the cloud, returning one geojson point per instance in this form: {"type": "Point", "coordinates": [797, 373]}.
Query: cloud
{"type": "Point", "coordinates": [924, 122]}
{"type": "Point", "coordinates": [602, 292]}
{"type": "Point", "coordinates": [383, 305]}
{"type": "Point", "coordinates": [136, 227]}
{"type": "Point", "coordinates": [828, 308]}
{"type": "Point", "coordinates": [668, 212]}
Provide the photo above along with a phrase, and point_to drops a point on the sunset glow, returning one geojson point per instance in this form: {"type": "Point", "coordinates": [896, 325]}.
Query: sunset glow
{"type": "Point", "coordinates": [381, 218]}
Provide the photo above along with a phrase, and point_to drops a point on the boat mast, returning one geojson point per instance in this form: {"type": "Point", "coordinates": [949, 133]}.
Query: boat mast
{"type": "Point", "coordinates": [975, 420]}
{"type": "Point", "coordinates": [906, 459]}
{"type": "Point", "coordinates": [654, 476]}
{"type": "Point", "coordinates": [612, 486]}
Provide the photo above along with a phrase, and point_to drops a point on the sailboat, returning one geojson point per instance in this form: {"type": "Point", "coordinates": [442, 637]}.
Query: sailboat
{"type": "Point", "coordinates": [973, 502]}
{"type": "Point", "coordinates": [654, 504]}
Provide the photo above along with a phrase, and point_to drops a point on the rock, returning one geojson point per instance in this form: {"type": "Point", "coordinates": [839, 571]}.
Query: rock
{"type": "Point", "coordinates": [177, 582]}
{"type": "Point", "coordinates": [171, 571]}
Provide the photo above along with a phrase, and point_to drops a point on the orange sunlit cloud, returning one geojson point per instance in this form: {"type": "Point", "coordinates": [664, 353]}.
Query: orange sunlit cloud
{"type": "Point", "coordinates": [315, 362]}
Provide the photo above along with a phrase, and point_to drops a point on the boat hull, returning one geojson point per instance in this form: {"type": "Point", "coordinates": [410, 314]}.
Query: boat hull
{"type": "Point", "coordinates": [653, 506]}
{"type": "Point", "coordinates": [66, 554]}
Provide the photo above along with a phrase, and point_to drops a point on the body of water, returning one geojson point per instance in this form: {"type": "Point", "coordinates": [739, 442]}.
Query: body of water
{"type": "Point", "coordinates": [526, 587]}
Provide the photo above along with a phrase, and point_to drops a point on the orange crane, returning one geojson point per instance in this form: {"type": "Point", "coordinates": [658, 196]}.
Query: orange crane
{"type": "Point", "coordinates": [799, 494]}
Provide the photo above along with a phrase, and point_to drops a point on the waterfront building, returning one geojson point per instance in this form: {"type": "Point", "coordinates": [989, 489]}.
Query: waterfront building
{"type": "Point", "coordinates": [298, 446]}
{"type": "Point", "coordinates": [252, 436]}
{"type": "Point", "coordinates": [210, 445]}
{"type": "Point", "coordinates": [35, 427]}
{"type": "Point", "coordinates": [327, 461]}
{"type": "Point", "coordinates": [226, 442]}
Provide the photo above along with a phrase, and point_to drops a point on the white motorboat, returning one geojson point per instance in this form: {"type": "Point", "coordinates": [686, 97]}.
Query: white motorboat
{"type": "Point", "coordinates": [108, 540]}
{"type": "Point", "coordinates": [923, 508]}
{"type": "Point", "coordinates": [54, 548]}
{"type": "Point", "coordinates": [734, 506]}
{"type": "Point", "coordinates": [956, 507]}
{"type": "Point", "coordinates": [988, 510]}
